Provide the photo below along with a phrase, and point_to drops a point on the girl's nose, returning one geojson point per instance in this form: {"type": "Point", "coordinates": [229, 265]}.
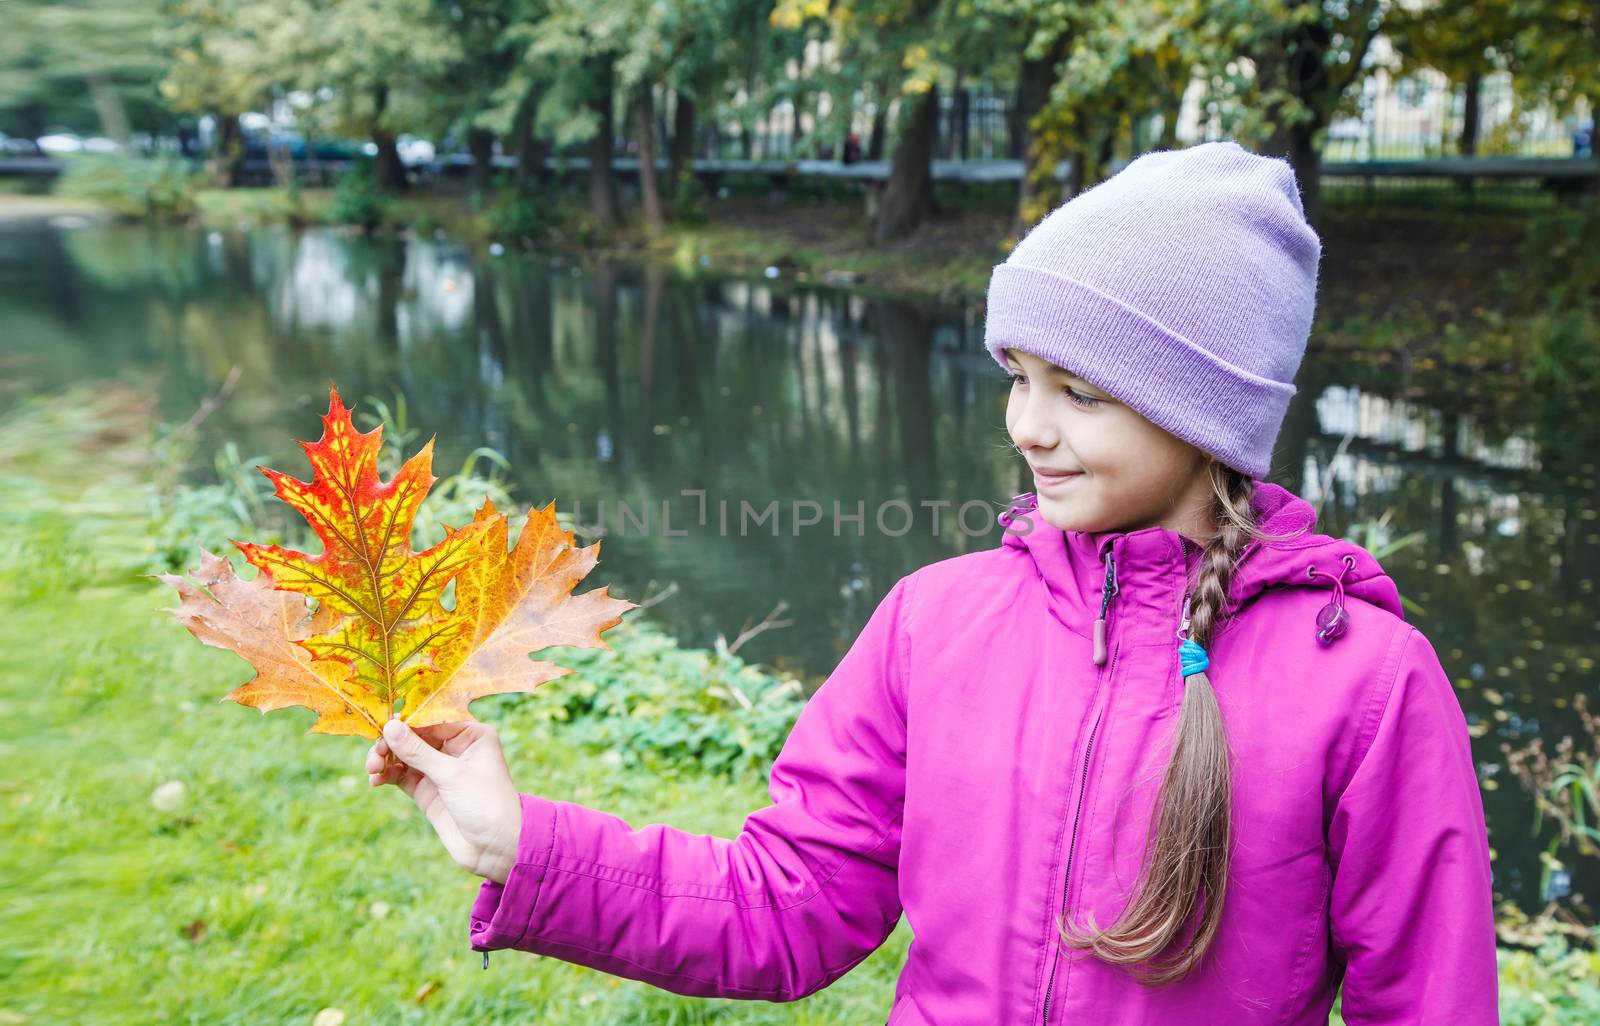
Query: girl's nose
{"type": "Point", "coordinates": [1033, 425]}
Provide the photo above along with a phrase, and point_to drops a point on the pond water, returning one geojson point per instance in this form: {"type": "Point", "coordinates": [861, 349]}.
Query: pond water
{"type": "Point", "coordinates": [619, 391]}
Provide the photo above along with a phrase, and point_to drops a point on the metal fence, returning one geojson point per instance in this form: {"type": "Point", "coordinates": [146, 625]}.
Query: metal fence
{"type": "Point", "coordinates": [1414, 117]}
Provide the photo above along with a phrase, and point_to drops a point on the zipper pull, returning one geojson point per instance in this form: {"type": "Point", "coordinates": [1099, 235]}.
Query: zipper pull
{"type": "Point", "coordinates": [1106, 592]}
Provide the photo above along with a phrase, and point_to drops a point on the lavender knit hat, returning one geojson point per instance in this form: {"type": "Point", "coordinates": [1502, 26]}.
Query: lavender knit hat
{"type": "Point", "coordinates": [1183, 285]}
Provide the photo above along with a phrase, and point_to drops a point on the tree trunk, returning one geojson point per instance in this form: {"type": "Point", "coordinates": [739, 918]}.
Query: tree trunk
{"type": "Point", "coordinates": [602, 184]}
{"type": "Point", "coordinates": [113, 114]}
{"type": "Point", "coordinates": [1300, 65]}
{"type": "Point", "coordinates": [1036, 80]}
{"type": "Point", "coordinates": [1470, 114]}
{"type": "Point", "coordinates": [388, 170]}
{"type": "Point", "coordinates": [952, 141]}
{"type": "Point", "coordinates": [680, 152]}
{"type": "Point", "coordinates": [644, 127]}
{"type": "Point", "coordinates": [1306, 160]}
{"type": "Point", "coordinates": [963, 117]}
{"type": "Point", "coordinates": [796, 108]}
{"type": "Point", "coordinates": [908, 197]}
{"type": "Point", "coordinates": [530, 151]}
{"type": "Point", "coordinates": [227, 152]}
{"type": "Point", "coordinates": [877, 141]}
{"type": "Point", "coordinates": [480, 143]}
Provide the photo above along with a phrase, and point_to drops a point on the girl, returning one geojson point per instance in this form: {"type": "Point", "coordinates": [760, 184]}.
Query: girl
{"type": "Point", "coordinates": [1163, 755]}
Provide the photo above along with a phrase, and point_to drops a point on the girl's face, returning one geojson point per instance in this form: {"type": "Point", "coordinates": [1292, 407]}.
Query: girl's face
{"type": "Point", "coordinates": [1121, 472]}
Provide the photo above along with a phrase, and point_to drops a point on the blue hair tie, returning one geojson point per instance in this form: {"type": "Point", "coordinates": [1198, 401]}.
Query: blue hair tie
{"type": "Point", "coordinates": [1192, 657]}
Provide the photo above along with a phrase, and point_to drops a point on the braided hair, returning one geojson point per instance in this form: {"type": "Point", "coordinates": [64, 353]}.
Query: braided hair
{"type": "Point", "coordinates": [1186, 851]}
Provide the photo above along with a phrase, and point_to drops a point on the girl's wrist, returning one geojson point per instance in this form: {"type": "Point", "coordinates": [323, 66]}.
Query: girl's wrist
{"type": "Point", "coordinates": [500, 854]}
{"type": "Point", "coordinates": [496, 866]}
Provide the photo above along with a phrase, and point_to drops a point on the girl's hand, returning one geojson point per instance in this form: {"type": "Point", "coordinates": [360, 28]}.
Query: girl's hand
{"type": "Point", "coordinates": [457, 775]}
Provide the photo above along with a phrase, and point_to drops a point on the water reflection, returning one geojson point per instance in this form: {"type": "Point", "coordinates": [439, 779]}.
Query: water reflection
{"type": "Point", "coordinates": [608, 385]}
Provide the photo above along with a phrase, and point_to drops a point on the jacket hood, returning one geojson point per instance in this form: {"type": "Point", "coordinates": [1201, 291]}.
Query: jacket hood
{"type": "Point", "coordinates": [1072, 564]}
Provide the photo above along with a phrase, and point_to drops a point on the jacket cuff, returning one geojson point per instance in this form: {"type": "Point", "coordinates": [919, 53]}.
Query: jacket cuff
{"type": "Point", "coordinates": [502, 915]}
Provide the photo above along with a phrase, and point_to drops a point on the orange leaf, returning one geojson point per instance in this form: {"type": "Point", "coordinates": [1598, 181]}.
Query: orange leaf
{"type": "Point", "coordinates": [266, 626]}
{"type": "Point", "coordinates": [381, 636]}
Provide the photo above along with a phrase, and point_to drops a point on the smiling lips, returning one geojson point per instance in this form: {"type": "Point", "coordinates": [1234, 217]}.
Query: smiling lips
{"type": "Point", "coordinates": [1049, 477]}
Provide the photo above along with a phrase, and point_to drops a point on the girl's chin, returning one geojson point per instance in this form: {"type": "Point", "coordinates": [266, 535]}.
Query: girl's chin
{"type": "Point", "coordinates": [1062, 516]}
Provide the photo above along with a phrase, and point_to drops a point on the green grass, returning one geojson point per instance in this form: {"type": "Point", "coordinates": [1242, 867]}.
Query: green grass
{"type": "Point", "coordinates": [230, 207]}
{"type": "Point", "coordinates": [279, 884]}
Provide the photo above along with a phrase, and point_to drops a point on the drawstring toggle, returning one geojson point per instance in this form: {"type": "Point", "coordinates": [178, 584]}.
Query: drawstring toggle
{"type": "Point", "coordinates": [1333, 619]}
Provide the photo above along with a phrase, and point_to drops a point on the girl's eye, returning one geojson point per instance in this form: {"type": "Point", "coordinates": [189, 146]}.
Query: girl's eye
{"type": "Point", "coordinates": [1082, 400]}
{"type": "Point", "coordinates": [1077, 398]}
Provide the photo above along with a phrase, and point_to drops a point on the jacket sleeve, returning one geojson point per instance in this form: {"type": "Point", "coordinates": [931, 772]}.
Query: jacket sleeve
{"type": "Point", "coordinates": [1412, 904]}
{"type": "Point", "coordinates": [808, 889]}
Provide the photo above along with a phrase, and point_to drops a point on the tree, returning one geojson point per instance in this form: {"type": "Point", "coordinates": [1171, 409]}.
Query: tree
{"type": "Point", "coordinates": [1303, 57]}
{"type": "Point", "coordinates": [214, 65]}
{"type": "Point", "coordinates": [83, 65]}
{"type": "Point", "coordinates": [370, 65]}
{"type": "Point", "coordinates": [1463, 41]}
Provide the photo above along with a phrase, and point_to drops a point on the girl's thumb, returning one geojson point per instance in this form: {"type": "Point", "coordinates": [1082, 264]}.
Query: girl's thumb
{"type": "Point", "coordinates": [412, 750]}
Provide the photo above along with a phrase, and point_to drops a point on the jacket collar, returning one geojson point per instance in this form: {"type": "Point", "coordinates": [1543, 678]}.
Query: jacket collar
{"type": "Point", "coordinates": [1155, 567]}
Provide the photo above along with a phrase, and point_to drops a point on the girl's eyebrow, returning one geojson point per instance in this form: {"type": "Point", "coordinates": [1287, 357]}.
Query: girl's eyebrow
{"type": "Point", "coordinates": [1055, 369]}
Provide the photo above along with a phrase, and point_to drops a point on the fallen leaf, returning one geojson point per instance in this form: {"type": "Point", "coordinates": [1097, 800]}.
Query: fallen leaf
{"type": "Point", "coordinates": [425, 991]}
{"type": "Point", "coordinates": [169, 796]}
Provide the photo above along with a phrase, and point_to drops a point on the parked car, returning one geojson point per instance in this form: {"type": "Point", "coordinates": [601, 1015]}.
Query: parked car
{"type": "Point", "coordinates": [17, 146]}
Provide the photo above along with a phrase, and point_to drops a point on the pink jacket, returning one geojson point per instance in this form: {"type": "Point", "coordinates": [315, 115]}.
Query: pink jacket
{"type": "Point", "coordinates": [970, 765]}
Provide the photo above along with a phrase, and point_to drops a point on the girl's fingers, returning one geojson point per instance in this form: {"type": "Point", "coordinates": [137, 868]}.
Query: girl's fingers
{"type": "Point", "coordinates": [453, 738]}
{"type": "Point", "coordinates": [380, 772]}
{"type": "Point", "coordinates": [409, 782]}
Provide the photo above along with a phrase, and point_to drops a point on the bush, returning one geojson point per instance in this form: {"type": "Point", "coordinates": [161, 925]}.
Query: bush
{"type": "Point", "coordinates": [1557, 985]}
{"type": "Point", "coordinates": [1557, 282]}
{"type": "Point", "coordinates": [357, 199]}
{"type": "Point", "coordinates": [648, 703]}
{"type": "Point", "coordinates": [690, 199]}
{"type": "Point", "coordinates": [513, 214]}
{"type": "Point", "coordinates": [160, 188]}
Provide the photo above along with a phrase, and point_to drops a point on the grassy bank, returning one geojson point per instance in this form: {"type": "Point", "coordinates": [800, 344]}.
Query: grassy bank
{"type": "Point", "coordinates": [173, 859]}
{"type": "Point", "coordinates": [806, 238]}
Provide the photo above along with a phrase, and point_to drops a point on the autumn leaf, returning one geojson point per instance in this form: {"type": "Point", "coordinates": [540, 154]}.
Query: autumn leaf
{"type": "Point", "coordinates": [361, 630]}
{"type": "Point", "coordinates": [266, 626]}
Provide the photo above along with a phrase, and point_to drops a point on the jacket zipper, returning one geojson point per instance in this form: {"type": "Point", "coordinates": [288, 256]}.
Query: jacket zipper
{"type": "Point", "coordinates": [1108, 592]}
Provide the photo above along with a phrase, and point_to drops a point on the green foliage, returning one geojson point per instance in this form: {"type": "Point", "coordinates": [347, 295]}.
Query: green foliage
{"type": "Point", "coordinates": [514, 214]}
{"type": "Point", "coordinates": [690, 201]}
{"type": "Point", "coordinates": [87, 66]}
{"type": "Point", "coordinates": [274, 205]}
{"type": "Point", "coordinates": [651, 704]}
{"type": "Point", "coordinates": [357, 200]}
{"type": "Point", "coordinates": [161, 188]}
{"type": "Point", "coordinates": [1556, 985]}
{"type": "Point", "coordinates": [1557, 283]}
{"type": "Point", "coordinates": [185, 517]}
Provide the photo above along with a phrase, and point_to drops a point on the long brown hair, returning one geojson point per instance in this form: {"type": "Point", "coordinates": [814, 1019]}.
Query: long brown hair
{"type": "Point", "coordinates": [1186, 851]}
